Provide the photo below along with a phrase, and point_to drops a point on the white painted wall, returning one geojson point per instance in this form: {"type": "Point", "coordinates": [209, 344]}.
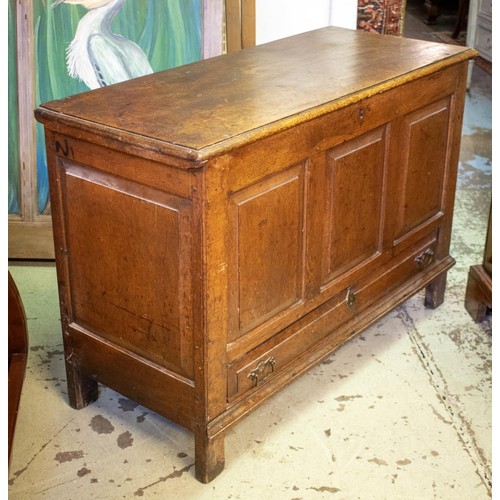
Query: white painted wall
{"type": "Point", "coordinates": [344, 13]}
{"type": "Point", "coordinates": [281, 18]}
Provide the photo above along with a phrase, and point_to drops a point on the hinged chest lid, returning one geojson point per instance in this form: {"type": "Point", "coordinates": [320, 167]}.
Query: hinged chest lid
{"type": "Point", "coordinates": [212, 106]}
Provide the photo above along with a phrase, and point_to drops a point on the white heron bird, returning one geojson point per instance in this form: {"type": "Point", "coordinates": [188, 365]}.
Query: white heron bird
{"type": "Point", "coordinates": [97, 56]}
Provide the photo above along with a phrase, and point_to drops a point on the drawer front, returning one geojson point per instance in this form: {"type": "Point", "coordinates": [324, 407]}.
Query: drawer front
{"type": "Point", "coordinates": [333, 319]}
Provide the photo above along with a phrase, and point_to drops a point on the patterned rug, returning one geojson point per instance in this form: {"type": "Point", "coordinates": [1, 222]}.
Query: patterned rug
{"type": "Point", "coordinates": [381, 16]}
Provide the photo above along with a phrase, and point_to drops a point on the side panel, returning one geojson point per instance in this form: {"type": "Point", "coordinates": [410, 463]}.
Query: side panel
{"type": "Point", "coordinates": [129, 256]}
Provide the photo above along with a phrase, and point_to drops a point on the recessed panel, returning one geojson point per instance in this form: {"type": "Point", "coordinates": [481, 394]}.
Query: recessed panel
{"type": "Point", "coordinates": [267, 248]}
{"type": "Point", "coordinates": [425, 140]}
{"type": "Point", "coordinates": [355, 201]}
{"type": "Point", "coordinates": [129, 253]}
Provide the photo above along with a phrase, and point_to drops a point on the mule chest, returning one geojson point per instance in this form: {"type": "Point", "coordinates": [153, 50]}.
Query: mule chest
{"type": "Point", "coordinates": [223, 226]}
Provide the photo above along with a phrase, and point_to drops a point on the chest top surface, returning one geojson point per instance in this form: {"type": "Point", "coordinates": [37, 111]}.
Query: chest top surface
{"type": "Point", "coordinates": [211, 106]}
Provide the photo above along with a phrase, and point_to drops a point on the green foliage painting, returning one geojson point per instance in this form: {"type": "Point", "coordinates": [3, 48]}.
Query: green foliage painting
{"type": "Point", "coordinates": [83, 44]}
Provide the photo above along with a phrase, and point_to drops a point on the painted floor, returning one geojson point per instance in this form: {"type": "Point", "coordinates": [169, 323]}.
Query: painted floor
{"type": "Point", "coordinates": [402, 411]}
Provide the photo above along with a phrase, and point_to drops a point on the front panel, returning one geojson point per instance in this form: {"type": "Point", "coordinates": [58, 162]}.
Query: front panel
{"type": "Point", "coordinates": [424, 146]}
{"type": "Point", "coordinates": [355, 203]}
{"type": "Point", "coordinates": [267, 249]}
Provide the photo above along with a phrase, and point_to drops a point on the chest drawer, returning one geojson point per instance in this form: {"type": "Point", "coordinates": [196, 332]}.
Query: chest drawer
{"type": "Point", "coordinates": [333, 322]}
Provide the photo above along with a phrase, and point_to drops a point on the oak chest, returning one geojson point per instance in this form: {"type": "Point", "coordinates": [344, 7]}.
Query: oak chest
{"type": "Point", "coordinates": [223, 226]}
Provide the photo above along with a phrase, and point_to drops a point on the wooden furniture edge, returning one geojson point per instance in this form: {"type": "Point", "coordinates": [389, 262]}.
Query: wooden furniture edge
{"type": "Point", "coordinates": [17, 356]}
{"type": "Point", "coordinates": [478, 294]}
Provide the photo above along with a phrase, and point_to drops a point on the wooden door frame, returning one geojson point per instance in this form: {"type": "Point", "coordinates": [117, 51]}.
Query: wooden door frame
{"type": "Point", "coordinates": [30, 233]}
{"type": "Point", "coordinates": [240, 24]}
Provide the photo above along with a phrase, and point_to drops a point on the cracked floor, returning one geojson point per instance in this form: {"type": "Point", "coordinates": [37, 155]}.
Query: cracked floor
{"type": "Point", "coordinates": [402, 411]}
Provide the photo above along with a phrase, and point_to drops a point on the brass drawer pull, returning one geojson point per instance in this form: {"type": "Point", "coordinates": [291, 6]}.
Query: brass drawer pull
{"type": "Point", "coordinates": [424, 259]}
{"type": "Point", "coordinates": [350, 299]}
{"type": "Point", "coordinates": [261, 368]}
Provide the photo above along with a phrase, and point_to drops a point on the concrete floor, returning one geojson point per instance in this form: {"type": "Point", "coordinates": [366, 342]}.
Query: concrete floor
{"type": "Point", "coordinates": [402, 411]}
